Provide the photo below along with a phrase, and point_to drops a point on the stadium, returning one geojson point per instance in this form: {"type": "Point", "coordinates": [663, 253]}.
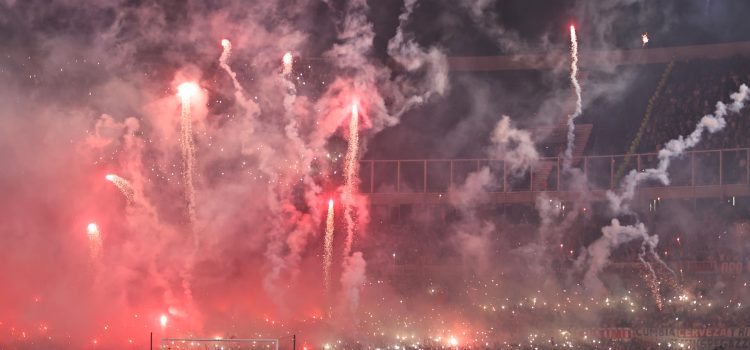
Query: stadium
{"type": "Point", "coordinates": [352, 174]}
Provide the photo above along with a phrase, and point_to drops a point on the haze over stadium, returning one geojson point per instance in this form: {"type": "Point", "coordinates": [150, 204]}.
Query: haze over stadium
{"type": "Point", "coordinates": [352, 174]}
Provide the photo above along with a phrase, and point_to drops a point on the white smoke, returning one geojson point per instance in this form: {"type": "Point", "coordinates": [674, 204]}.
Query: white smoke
{"type": "Point", "coordinates": [352, 281]}
{"type": "Point", "coordinates": [514, 146]}
{"type": "Point", "coordinates": [597, 254]}
{"type": "Point", "coordinates": [407, 52]}
{"type": "Point", "coordinates": [675, 148]}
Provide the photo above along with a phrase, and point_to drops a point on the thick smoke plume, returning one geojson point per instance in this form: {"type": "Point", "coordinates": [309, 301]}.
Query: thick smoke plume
{"type": "Point", "coordinates": [675, 148]}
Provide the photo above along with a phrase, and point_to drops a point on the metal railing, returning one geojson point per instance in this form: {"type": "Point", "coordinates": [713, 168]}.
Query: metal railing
{"type": "Point", "coordinates": [693, 169]}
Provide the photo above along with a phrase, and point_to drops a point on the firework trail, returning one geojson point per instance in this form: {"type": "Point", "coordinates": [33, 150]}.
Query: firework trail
{"type": "Point", "coordinates": [292, 127]}
{"type": "Point", "coordinates": [328, 254]}
{"type": "Point", "coordinates": [350, 178]}
{"type": "Point", "coordinates": [95, 239]}
{"type": "Point", "coordinates": [186, 91]}
{"type": "Point", "coordinates": [675, 148]}
{"type": "Point", "coordinates": [223, 62]}
{"type": "Point", "coordinates": [291, 95]}
{"type": "Point", "coordinates": [615, 234]}
{"type": "Point", "coordinates": [123, 185]}
{"type": "Point", "coordinates": [579, 104]}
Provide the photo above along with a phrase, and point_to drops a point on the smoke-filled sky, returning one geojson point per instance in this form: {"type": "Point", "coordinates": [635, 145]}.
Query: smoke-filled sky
{"type": "Point", "coordinates": [133, 203]}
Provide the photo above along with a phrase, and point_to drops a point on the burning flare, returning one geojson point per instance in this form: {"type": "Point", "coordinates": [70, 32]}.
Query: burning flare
{"type": "Point", "coordinates": [92, 229]}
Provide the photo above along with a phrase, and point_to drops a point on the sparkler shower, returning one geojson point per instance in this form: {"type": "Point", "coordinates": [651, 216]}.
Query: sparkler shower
{"type": "Point", "coordinates": [373, 175]}
{"type": "Point", "coordinates": [328, 253]}
{"type": "Point", "coordinates": [186, 92]}
{"type": "Point", "coordinates": [350, 178]}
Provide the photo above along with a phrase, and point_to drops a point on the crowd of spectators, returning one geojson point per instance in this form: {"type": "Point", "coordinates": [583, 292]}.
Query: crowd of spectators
{"type": "Point", "coordinates": [692, 90]}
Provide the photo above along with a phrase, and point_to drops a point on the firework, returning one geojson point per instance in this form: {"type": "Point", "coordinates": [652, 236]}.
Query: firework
{"type": "Point", "coordinates": [224, 63]}
{"type": "Point", "coordinates": [95, 239]}
{"type": "Point", "coordinates": [287, 60]}
{"type": "Point", "coordinates": [123, 185]}
{"type": "Point", "coordinates": [163, 321]}
{"type": "Point", "coordinates": [292, 127]}
{"type": "Point", "coordinates": [644, 39]}
{"type": "Point", "coordinates": [327, 255]}
{"type": "Point", "coordinates": [186, 91]}
{"type": "Point", "coordinates": [579, 104]}
{"type": "Point", "coordinates": [350, 177]}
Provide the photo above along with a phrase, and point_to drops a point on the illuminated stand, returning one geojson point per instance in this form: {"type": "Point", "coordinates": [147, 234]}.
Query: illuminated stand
{"type": "Point", "coordinates": [225, 344]}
